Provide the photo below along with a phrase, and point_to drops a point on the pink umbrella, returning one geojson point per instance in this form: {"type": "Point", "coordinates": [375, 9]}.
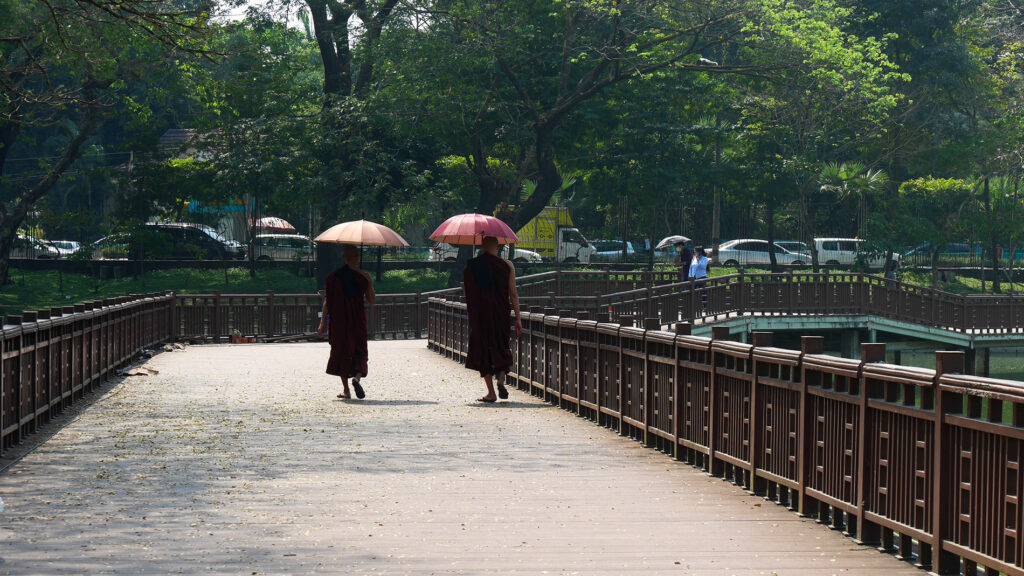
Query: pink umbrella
{"type": "Point", "coordinates": [363, 233]}
{"type": "Point", "coordinates": [274, 224]}
{"type": "Point", "coordinates": [471, 229]}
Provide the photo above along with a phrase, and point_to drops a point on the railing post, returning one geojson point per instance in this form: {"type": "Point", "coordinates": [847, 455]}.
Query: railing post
{"type": "Point", "coordinates": [867, 532]}
{"type": "Point", "coordinates": [717, 333]}
{"type": "Point", "coordinates": [694, 299]}
{"type": "Point", "coordinates": [808, 345]}
{"type": "Point", "coordinates": [215, 320]}
{"type": "Point", "coordinates": [741, 299]}
{"type": "Point", "coordinates": [943, 562]}
{"type": "Point", "coordinates": [269, 324]}
{"type": "Point", "coordinates": [684, 328]}
{"type": "Point", "coordinates": [963, 311]}
{"type": "Point", "coordinates": [759, 339]}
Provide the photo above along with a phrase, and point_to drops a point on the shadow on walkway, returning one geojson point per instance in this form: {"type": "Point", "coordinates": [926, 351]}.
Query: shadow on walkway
{"type": "Point", "coordinates": [373, 402]}
{"type": "Point", "coordinates": [507, 404]}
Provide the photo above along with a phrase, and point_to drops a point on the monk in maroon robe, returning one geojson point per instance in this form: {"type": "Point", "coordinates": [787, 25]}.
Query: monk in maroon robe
{"type": "Point", "coordinates": [490, 287]}
{"type": "Point", "coordinates": [346, 291]}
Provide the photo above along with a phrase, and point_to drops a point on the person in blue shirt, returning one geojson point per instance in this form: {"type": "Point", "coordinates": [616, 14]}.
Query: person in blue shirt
{"type": "Point", "coordinates": [698, 272]}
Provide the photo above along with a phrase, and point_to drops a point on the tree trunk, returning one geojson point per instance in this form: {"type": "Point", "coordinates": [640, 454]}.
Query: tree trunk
{"type": "Point", "coordinates": [330, 37]}
{"type": "Point", "coordinates": [9, 132]}
{"type": "Point", "coordinates": [773, 261]}
{"type": "Point", "coordinates": [548, 178]}
{"type": "Point", "coordinates": [992, 241]}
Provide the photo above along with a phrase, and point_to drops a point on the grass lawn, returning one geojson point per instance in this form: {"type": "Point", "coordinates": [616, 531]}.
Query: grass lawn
{"type": "Point", "coordinates": [36, 289]}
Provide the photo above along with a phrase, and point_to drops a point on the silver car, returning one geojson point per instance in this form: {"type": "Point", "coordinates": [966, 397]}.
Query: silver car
{"type": "Point", "coordinates": [448, 253]}
{"type": "Point", "coordinates": [285, 247]}
{"type": "Point", "coordinates": [26, 246]}
{"type": "Point", "coordinates": [747, 252]}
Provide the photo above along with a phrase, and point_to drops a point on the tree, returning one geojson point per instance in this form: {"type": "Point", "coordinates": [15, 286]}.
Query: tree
{"type": "Point", "coordinates": [64, 64]}
{"type": "Point", "coordinates": [347, 72]}
{"type": "Point", "coordinates": [946, 203]}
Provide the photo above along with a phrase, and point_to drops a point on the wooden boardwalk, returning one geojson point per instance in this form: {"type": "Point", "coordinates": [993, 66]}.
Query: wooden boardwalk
{"type": "Point", "coordinates": [238, 460]}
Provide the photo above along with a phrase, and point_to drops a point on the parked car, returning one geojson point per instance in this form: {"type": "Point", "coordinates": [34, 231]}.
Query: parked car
{"type": "Point", "coordinates": [65, 247]}
{"type": "Point", "coordinates": [752, 252]}
{"type": "Point", "coordinates": [795, 246]}
{"type": "Point", "coordinates": [611, 251]}
{"type": "Point", "coordinates": [951, 253]}
{"type": "Point", "coordinates": [173, 241]}
{"type": "Point", "coordinates": [848, 252]}
{"type": "Point", "coordinates": [281, 246]}
{"type": "Point", "coordinates": [30, 247]}
{"type": "Point", "coordinates": [447, 253]}
{"type": "Point", "coordinates": [233, 250]}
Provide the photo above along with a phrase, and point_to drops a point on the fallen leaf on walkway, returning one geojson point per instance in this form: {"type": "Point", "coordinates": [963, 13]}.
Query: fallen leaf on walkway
{"type": "Point", "coordinates": [139, 371]}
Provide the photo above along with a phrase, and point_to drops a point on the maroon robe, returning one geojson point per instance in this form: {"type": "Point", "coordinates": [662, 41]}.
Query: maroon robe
{"type": "Point", "coordinates": [487, 300]}
{"type": "Point", "coordinates": [346, 291]}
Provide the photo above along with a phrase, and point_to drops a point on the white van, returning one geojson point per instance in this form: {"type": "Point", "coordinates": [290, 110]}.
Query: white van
{"type": "Point", "coordinates": [844, 251]}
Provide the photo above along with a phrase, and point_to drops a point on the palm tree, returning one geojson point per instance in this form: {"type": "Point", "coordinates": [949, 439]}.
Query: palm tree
{"type": "Point", "coordinates": [853, 179]}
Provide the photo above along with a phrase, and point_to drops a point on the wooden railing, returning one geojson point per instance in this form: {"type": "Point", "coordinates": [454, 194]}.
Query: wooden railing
{"type": "Point", "coordinates": [52, 357]}
{"type": "Point", "coordinates": [925, 464]}
{"type": "Point", "coordinates": [215, 317]}
{"type": "Point", "coordinates": [824, 294]}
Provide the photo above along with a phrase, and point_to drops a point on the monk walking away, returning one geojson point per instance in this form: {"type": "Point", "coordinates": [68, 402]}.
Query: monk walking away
{"type": "Point", "coordinates": [490, 287]}
{"type": "Point", "coordinates": [348, 289]}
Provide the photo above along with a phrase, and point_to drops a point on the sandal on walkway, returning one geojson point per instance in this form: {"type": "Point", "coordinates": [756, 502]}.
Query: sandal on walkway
{"type": "Point", "coordinates": [344, 396]}
{"type": "Point", "coordinates": [499, 380]}
{"type": "Point", "coordinates": [486, 400]}
{"type": "Point", "coordinates": [359, 390]}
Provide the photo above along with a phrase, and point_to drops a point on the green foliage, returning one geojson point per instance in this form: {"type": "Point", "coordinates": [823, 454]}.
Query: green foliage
{"type": "Point", "coordinates": [932, 211]}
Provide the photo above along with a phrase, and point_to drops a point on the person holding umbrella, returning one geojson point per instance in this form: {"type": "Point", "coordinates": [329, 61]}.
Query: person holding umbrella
{"type": "Point", "coordinates": [490, 288]}
{"type": "Point", "coordinates": [685, 254]}
{"type": "Point", "coordinates": [347, 290]}
{"type": "Point", "coordinates": [685, 258]}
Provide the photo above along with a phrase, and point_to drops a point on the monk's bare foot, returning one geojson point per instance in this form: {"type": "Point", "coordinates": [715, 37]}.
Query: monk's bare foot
{"type": "Point", "coordinates": [344, 396]}
{"type": "Point", "coordinates": [487, 399]}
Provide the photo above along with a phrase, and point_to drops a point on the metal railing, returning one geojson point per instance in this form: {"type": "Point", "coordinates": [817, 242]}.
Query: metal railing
{"type": "Point", "coordinates": [52, 357]}
{"type": "Point", "coordinates": [922, 463]}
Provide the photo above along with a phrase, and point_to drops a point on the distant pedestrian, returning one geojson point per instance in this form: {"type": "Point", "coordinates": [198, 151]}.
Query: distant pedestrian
{"type": "Point", "coordinates": [344, 314]}
{"type": "Point", "coordinates": [699, 264]}
{"type": "Point", "coordinates": [684, 260]}
{"type": "Point", "coordinates": [698, 272]}
{"type": "Point", "coordinates": [491, 296]}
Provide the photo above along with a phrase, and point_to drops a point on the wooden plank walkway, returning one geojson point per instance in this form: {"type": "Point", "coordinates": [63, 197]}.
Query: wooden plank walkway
{"type": "Point", "coordinates": [238, 460]}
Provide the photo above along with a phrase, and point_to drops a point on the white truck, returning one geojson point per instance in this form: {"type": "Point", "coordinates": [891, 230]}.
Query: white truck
{"type": "Point", "coordinates": [552, 235]}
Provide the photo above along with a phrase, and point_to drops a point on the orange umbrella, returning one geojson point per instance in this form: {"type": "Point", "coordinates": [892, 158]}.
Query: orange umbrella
{"type": "Point", "coordinates": [471, 229]}
{"type": "Point", "coordinates": [362, 233]}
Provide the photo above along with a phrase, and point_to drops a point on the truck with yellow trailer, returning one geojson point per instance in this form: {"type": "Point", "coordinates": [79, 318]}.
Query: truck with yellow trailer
{"type": "Point", "coordinates": [552, 235]}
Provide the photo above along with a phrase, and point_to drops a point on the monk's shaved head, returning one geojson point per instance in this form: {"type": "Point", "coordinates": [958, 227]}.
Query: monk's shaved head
{"type": "Point", "coordinates": [350, 254]}
{"type": "Point", "coordinates": [489, 243]}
